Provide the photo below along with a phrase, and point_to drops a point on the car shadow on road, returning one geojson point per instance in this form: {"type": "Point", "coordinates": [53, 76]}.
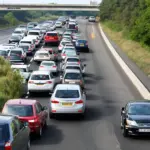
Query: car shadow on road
{"type": "Point", "coordinates": [40, 95]}
{"type": "Point", "coordinates": [91, 96]}
{"type": "Point", "coordinates": [51, 135]}
{"type": "Point", "coordinates": [92, 76]}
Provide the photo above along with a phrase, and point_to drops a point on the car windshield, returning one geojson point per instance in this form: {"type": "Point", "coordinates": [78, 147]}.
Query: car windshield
{"type": "Point", "coordinates": [48, 64]}
{"type": "Point", "coordinates": [72, 75]}
{"type": "Point", "coordinates": [39, 77]}
{"type": "Point", "coordinates": [24, 47]}
{"type": "Point", "coordinates": [33, 33]}
{"type": "Point", "coordinates": [20, 110]}
{"type": "Point", "coordinates": [15, 37]}
{"type": "Point", "coordinates": [67, 94]}
{"type": "Point", "coordinates": [139, 109]}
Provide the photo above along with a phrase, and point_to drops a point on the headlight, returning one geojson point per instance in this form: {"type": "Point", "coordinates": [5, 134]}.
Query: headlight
{"type": "Point", "coordinates": [131, 123]}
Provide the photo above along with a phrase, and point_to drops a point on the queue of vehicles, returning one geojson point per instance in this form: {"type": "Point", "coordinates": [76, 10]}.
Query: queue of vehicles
{"type": "Point", "coordinates": [22, 117]}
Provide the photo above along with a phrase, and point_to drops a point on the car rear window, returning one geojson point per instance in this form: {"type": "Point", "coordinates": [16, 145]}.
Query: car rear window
{"type": "Point", "coordinates": [51, 34]}
{"type": "Point", "coordinates": [15, 57]}
{"type": "Point", "coordinates": [17, 31]}
{"type": "Point", "coordinates": [67, 94]}
{"type": "Point", "coordinates": [29, 42]}
{"type": "Point", "coordinates": [24, 47]}
{"type": "Point", "coordinates": [72, 60]}
{"type": "Point", "coordinates": [15, 37]}
{"type": "Point", "coordinates": [42, 54]}
{"type": "Point", "coordinates": [72, 75]}
{"type": "Point", "coordinates": [72, 26]}
{"type": "Point", "coordinates": [48, 64]}
{"type": "Point", "coordinates": [73, 67]}
{"type": "Point", "coordinates": [16, 52]}
{"type": "Point", "coordinates": [33, 33]}
{"type": "Point", "coordinates": [40, 77]}
{"type": "Point", "coordinates": [20, 110]}
{"type": "Point", "coordinates": [4, 132]}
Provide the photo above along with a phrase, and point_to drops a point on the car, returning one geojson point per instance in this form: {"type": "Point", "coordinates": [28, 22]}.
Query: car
{"type": "Point", "coordinates": [4, 52]}
{"type": "Point", "coordinates": [36, 39]}
{"type": "Point", "coordinates": [68, 53]}
{"type": "Point", "coordinates": [30, 111]}
{"type": "Point", "coordinates": [67, 99]}
{"type": "Point", "coordinates": [92, 19]}
{"type": "Point", "coordinates": [67, 33]}
{"type": "Point", "coordinates": [135, 118]}
{"type": "Point", "coordinates": [62, 44]}
{"type": "Point", "coordinates": [27, 48]}
{"type": "Point", "coordinates": [30, 27]}
{"type": "Point", "coordinates": [72, 76]}
{"type": "Point", "coordinates": [58, 24]}
{"type": "Point", "coordinates": [42, 55]}
{"type": "Point", "coordinates": [24, 71]}
{"type": "Point", "coordinates": [75, 37]}
{"type": "Point", "coordinates": [81, 44]}
{"type": "Point", "coordinates": [15, 134]}
{"type": "Point", "coordinates": [33, 23]}
{"type": "Point", "coordinates": [42, 81]}
{"type": "Point", "coordinates": [51, 37]}
{"type": "Point", "coordinates": [48, 65]}
{"type": "Point", "coordinates": [15, 39]}
{"type": "Point", "coordinates": [19, 31]}
{"type": "Point", "coordinates": [17, 55]}
{"type": "Point", "coordinates": [37, 33]}
{"type": "Point", "coordinates": [67, 37]}
{"type": "Point", "coordinates": [73, 26]}
{"type": "Point", "coordinates": [23, 27]}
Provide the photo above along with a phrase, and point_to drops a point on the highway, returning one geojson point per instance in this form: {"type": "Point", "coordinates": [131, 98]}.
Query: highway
{"type": "Point", "coordinates": [108, 89]}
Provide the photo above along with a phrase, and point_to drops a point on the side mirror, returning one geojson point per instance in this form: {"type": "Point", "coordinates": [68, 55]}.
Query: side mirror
{"type": "Point", "coordinates": [122, 110]}
{"type": "Point", "coordinates": [44, 108]}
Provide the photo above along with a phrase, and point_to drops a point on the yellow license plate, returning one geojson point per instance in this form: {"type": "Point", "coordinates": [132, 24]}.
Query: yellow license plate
{"type": "Point", "coordinates": [81, 44]}
{"type": "Point", "coordinates": [39, 84]}
{"type": "Point", "coordinates": [67, 104]}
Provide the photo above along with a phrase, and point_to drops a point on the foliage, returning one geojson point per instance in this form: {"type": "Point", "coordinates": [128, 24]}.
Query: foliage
{"type": "Point", "coordinates": [133, 15]}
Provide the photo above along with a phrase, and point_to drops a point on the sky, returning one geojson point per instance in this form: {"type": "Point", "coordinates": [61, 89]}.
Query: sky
{"type": "Point", "coordinates": [46, 1]}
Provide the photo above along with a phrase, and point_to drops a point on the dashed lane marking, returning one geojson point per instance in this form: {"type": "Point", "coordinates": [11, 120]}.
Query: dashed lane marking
{"type": "Point", "coordinates": [31, 60]}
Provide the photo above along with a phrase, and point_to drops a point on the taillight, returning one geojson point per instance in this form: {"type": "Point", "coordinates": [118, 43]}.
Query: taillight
{"type": "Point", "coordinates": [8, 146]}
{"type": "Point", "coordinates": [41, 66]}
{"type": "Point", "coordinates": [49, 82]}
{"type": "Point", "coordinates": [54, 102]}
{"type": "Point", "coordinates": [78, 62]}
{"type": "Point", "coordinates": [79, 102]}
{"type": "Point", "coordinates": [54, 66]}
{"type": "Point", "coordinates": [31, 82]}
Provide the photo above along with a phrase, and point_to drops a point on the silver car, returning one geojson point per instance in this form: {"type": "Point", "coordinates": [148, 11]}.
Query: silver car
{"type": "Point", "coordinates": [67, 99]}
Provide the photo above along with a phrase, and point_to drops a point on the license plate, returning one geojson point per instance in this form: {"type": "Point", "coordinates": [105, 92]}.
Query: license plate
{"type": "Point", "coordinates": [81, 44]}
{"type": "Point", "coordinates": [39, 84]}
{"type": "Point", "coordinates": [67, 104]}
{"type": "Point", "coordinates": [72, 82]}
{"type": "Point", "coordinates": [144, 130]}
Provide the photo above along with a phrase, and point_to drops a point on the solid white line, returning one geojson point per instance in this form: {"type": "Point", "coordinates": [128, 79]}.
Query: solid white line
{"type": "Point", "coordinates": [137, 83]}
{"type": "Point", "coordinates": [31, 60]}
{"type": "Point", "coordinates": [29, 65]}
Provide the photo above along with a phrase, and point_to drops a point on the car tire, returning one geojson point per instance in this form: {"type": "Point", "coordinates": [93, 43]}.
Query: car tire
{"type": "Point", "coordinates": [40, 132]}
{"type": "Point", "coordinates": [125, 132]}
{"type": "Point", "coordinates": [28, 144]}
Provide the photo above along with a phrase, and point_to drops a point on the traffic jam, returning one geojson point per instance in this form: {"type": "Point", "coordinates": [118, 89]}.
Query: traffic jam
{"type": "Point", "coordinates": [55, 47]}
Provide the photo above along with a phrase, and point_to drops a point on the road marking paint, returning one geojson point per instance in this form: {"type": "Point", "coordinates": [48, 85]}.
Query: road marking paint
{"type": "Point", "coordinates": [137, 83]}
{"type": "Point", "coordinates": [92, 35]}
{"type": "Point", "coordinates": [29, 65]}
{"type": "Point", "coordinates": [31, 60]}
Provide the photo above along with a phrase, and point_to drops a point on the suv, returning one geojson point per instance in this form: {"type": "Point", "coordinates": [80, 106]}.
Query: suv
{"type": "Point", "coordinates": [51, 37]}
{"type": "Point", "coordinates": [14, 133]}
{"type": "Point", "coordinates": [92, 19]}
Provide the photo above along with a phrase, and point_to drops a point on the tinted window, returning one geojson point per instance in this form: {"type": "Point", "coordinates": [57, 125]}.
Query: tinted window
{"type": "Point", "coordinates": [72, 60]}
{"type": "Point", "coordinates": [21, 110]}
{"type": "Point", "coordinates": [29, 42]}
{"type": "Point", "coordinates": [51, 34]}
{"type": "Point", "coordinates": [72, 26]}
{"type": "Point", "coordinates": [67, 94]}
{"type": "Point", "coordinates": [33, 33]}
{"type": "Point", "coordinates": [40, 77]}
{"type": "Point", "coordinates": [76, 76]}
{"type": "Point", "coordinates": [15, 57]}
{"type": "Point", "coordinates": [17, 32]}
{"type": "Point", "coordinates": [25, 48]}
{"type": "Point", "coordinates": [139, 109]}
{"type": "Point", "coordinates": [4, 132]}
{"type": "Point", "coordinates": [16, 52]}
{"type": "Point", "coordinates": [48, 64]}
{"type": "Point", "coordinates": [42, 54]}
{"type": "Point", "coordinates": [73, 67]}
{"type": "Point", "coordinates": [3, 53]}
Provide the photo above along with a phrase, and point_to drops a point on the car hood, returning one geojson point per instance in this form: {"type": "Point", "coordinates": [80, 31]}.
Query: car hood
{"type": "Point", "coordinates": [140, 118]}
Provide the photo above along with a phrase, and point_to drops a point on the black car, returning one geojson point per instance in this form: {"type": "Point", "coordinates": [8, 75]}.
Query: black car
{"type": "Point", "coordinates": [15, 39]}
{"type": "Point", "coordinates": [14, 134]}
{"type": "Point", "coordinates": [135, 118]}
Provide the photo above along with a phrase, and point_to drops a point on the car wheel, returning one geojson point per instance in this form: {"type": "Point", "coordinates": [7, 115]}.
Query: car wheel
{"type": "Point", "coordinates": [28, 144]}
{"type": "Point", "coordinates": [125, 132]}
{"type": "Point", "coordinates": [40, 132]}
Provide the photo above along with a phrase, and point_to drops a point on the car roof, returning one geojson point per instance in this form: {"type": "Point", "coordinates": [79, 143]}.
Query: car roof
{"type": "Point", "coordinates": [19, 66]}
{"type": "Point", "coordinates": [41, 72]}
{"type": "Point", "coordinates": [51, 32]}
{"type": "Point", "coordinates": [69, 47]}
{"type": "Point", "coordinates": [17, 49]}
{"type": "Point", "coordinates": [24, 44]}
{"type": "Point", "coordinates": [34, 31]}
{"type": "Point", "coordinates": [41, 51]}
{"type": "Point", "coordinates": [48, 62]}
{"type": "Point", "coordinates": [145, 101]}
{"type": "Point", "coordinates": [18, 29]}
{"type": "Point", "coordinates": [72, 57]}
{"type": "Point", "coordinates": [21, 101]}
{"type": "Point", "coordinates": [67, 87]}
{"type": "Point", "coordinates": [5, 118]}
{"type": "Point", "coordinates": [72, 71]}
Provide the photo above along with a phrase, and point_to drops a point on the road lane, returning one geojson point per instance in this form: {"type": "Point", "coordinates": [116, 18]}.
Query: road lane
{"type": "Point", "coordinates": [108, 89]}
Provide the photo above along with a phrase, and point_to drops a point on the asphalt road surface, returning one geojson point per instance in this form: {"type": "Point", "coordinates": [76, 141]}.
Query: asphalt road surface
{"type": "Point", "coordinates": [108, 89]}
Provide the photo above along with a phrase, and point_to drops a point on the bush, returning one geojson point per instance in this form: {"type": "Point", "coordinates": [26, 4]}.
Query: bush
{"type": "Point", "coordinates": [10, 82]}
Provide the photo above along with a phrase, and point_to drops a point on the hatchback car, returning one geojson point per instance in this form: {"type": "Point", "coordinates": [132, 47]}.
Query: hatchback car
{"type": "Point", "coordinates": [51, 37]}
{"type": "Point", "coordinates": [42, 81]}
{"type": "Point", "coordinates": [81, 44]}
{"type": "Point", "coordinates": [15, 135]}
{"type": "Point", "coordinates": [67, 99]}
{"type": "Point", "coordinates": [135, 118]}
{"type": "Point", "coordinates": [30, 111]}
{"type": "Point", "coordinates": [72, 76]}
{"type": "Point", "coordinates": [42, 55]}
{"type": "Point", "coordinates": [48, 65]}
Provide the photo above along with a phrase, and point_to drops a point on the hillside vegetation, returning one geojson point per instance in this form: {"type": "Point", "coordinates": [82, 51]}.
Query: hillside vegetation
{"type": "Point", "coordinates": [126, 21]}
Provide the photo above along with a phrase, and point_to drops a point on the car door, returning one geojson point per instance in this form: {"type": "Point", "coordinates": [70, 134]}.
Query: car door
{"type": "Point", "coordinates": [39, 113]}
{"type": "Point", "coordinates": [23, 133]}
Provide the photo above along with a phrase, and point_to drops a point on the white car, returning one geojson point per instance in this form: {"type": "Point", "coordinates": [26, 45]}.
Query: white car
{"type": "Point", "coordinates": [67, 99]}
{"type": "Point", "coordinates": [62, 44]}
{"type": "Point", "coordinates": [42, 55]}
{"type": "Point", "coordinates": [68, 53]}
{"type": "Point", "coordinates": [41, 81]}
{"type": "Point", "coordinates": [36, 39]}
{"type": "Point", "coordinates": [37, 33]}
{"type": "Point", "coordinates": [58, 24]}
{"type": "Point", "coordinates": [48, 65]}
{"type": "Point", "coordinates": [92, 19]}
{"type": "Point", "coordinates": [18, 31]}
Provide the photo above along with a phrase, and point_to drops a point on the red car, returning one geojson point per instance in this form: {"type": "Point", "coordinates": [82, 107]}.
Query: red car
{"type": "Point", "coordinates": [51, 37]}
{"type": "Point", "coordinates": [28, 110]}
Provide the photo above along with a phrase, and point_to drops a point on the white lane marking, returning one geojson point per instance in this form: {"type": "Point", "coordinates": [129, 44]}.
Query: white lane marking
{"type": "Point", "coordinates": [137, 83]}
{"type": "Point", "coordinates": [31, 60]}
{"type": "Point", "coordinates": [29, 65]}
{"type": "Point", "coordinates": [92, 28]}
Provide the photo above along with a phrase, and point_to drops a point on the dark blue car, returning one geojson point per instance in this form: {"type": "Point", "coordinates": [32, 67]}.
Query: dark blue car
{"type": "Point", "coordinates": [81, 44]}
{"type": "Point", "coordinates": [14, 134]}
